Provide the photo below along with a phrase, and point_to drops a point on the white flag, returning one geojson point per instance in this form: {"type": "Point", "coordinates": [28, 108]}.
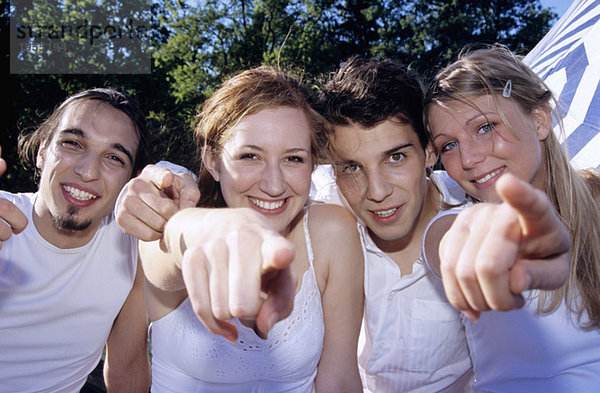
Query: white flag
{"type": "Point", "coordinates": [568, 59]}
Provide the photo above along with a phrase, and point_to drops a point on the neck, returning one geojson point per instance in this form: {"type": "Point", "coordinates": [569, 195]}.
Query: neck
{"type": "Point", "coordinates": [61, 238]}
{"type": "Point", "coordinates": [404, 251]}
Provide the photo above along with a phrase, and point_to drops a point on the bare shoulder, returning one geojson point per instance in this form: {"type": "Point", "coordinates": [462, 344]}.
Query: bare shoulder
{"type": "Point", "coordinates": [326, 219]}
{"type": "Point", "coordinates": [334, 235]}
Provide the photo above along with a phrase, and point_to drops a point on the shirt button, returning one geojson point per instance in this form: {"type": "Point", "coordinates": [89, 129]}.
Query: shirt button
{"type": "Point", "coordinates": [390, 296]}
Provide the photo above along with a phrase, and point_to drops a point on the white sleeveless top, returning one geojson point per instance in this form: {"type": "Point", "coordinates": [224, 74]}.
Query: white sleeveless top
{"type": "Point", "coordinates": [57, 306]}
{"type": "Point", "coordinates": [522, 351]}
{"type": "Point", "coordinates": [186, 357]}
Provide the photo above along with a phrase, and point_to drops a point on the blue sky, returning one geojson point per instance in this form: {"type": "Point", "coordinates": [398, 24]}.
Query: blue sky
{"type": "Point", "coordinates": [559, 6]}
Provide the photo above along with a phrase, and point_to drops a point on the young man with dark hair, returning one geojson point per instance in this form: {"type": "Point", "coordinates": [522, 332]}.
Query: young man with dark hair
{"type": "Point", "coordinates": [413, 338]}
{"type": "Point", "coordinates": [69, 278]}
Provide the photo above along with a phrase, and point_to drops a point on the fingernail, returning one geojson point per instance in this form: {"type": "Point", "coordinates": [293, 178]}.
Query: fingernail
{"type": "Point", "coordinates": [191, 204]}
{"type": "Point", "coordinates": [231, 337]}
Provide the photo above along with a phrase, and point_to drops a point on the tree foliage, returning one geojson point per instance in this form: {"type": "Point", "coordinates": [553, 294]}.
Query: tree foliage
{"type": "Point", "coordinates": [195, 44]}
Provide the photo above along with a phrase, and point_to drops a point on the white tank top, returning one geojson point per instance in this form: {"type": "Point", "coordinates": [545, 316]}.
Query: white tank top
{"type": "Point", "coordinates": [186, 357]}
{"type": "Point", "coordinates": [57, 306]}
{"type": "Point", "coordinates": [522, 351]}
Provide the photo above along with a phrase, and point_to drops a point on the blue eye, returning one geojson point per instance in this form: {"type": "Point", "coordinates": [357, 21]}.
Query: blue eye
{"type": "Point", "coordinates": [485, 128]}
{"type": "Point", "coordinates": [448, 146]}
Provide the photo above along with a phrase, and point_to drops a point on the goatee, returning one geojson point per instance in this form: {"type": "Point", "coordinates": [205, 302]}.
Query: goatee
{"type": "Point", "coordinates": [68, 221]}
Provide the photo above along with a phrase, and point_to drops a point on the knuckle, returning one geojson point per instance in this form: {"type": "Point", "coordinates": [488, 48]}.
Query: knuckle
{"type": "Point", "coordinates": [6, 207]}
{"type": "Point", "coordinates": [465, 273]}
{"type": "Point", "coordinates": [242, 310]}
{"type": "Point", "coordinates": [486, 266]}
{"type": "Point", "coordinates": [221, 312]}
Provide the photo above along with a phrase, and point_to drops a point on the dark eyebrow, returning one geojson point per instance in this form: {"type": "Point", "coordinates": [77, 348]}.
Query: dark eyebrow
{"type": "Point", "coordinates": [395, 149]}
{"type": "Point", "coordinates": [80, 133]}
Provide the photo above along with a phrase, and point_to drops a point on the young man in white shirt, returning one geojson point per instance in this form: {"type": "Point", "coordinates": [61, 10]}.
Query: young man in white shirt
{"type": "Point", "coordinates": [70, 284]}
{"type": "Point", "coordinates": [413, 338]}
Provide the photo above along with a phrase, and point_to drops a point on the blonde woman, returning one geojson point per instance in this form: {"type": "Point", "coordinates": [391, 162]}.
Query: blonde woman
{"type": "Point", "coordinates": [490, 115]}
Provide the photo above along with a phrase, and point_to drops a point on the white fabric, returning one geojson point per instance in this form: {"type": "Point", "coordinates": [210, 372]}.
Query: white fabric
{"type": "Point", "coordinates": [413, 338]}
{"type": "Point", "coordinates": [57, 306]}
{"type": "Point", "coordinates": [187, 358]}
{"type": "Point", "coordinates": [519, 351]}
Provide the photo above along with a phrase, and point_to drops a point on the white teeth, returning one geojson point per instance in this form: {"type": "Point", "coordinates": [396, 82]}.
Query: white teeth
{"type": "Point", "coordinates": [487, 177]}
{"type": "Point", "coordinates": [267, 205]}
{"type": "Point", "coordinates": [386, 213]}
{"type": "Point", "coordinates": [79, 194]}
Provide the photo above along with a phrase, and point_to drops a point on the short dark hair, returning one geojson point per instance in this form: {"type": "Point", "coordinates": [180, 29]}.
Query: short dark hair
{"type": "Point", "coordinates": [29, 144]}
{"type": "Point", "coordinates": [368, 91]}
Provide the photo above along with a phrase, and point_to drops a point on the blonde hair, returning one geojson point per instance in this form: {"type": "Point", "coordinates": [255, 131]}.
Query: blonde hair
{"type": "Point", "coordinates": [591, 176]}
{"type": "Point", "coordinates": [488, 72]}
{"type": "Point", "coordinates": [244, 94]}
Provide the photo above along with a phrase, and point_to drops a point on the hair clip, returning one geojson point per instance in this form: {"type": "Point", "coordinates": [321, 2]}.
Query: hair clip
{"type": "Point", "coordinates": [507, 89]}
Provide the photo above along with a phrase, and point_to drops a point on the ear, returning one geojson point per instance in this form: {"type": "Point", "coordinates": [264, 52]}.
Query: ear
{"type": "Point", "coordinates": [431, 155]}
{"type": "Point", "coordinates": [41, 155]}
{"type": "Point", "coordinates": [543, 121]}
{"type": "Point", "coordinates": [210, 160]}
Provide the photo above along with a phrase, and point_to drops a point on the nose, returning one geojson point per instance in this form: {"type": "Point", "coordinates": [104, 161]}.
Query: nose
{"type": "Point", "coordinates": [378, 187]}
{"type": "Point", "coordinates": [272, 182]}
{"type": "Point", "coordinates": [471, 153]}
{"type": "Point", "coordinates": [88, 168]}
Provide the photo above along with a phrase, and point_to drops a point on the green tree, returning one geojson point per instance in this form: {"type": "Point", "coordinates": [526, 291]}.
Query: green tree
{"type": "Point", "coordinates": [429, 34]}
{"type": "Point", "coordinates": [195, 45]}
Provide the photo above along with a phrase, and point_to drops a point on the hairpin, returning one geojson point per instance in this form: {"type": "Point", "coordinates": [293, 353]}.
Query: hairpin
{"type": "Point", "coordinates": [507, 89]}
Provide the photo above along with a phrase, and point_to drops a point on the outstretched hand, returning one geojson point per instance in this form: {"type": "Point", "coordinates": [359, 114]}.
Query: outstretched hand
{"type": "Point", "coordinates": [234, 265]}
{"type": "Point", "coordinates": [2, 163]}
{"type": "Point", "coordinates": [150, 199]}
{"type": "Point", "coordinates": [494, 252]}
{"type": "Point", "coordinates": [12, 220]}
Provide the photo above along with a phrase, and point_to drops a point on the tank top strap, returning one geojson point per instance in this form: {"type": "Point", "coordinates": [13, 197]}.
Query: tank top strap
{"type": "Point", "coordinates": [309, 249]}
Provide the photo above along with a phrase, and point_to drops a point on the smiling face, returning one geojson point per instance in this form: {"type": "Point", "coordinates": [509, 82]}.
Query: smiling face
{"type": "Point", "coordinates": [476, 146]}
{"type": "Point", "coordinates": [266, 164]}
{"type": "Point", "coordinates": [83, 168]}
{"type": "Point", "coordinates": [381, 173]}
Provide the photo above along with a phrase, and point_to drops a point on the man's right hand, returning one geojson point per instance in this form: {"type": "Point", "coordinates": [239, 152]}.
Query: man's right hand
{"type": "Point", "coordinates": [150, 199]}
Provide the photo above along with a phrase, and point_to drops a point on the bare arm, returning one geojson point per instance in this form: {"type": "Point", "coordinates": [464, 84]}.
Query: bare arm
{"type": "Point", "coordinates": [230, 261]}
{"type": "Point", "coordinates": [493, 252]}
{"type": "Point", "coordinates": [126, 368]}
{"type": "Point", "coordinates": [335, 238]}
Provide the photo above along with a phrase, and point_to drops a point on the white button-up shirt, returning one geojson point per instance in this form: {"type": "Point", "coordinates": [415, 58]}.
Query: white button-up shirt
{"type": "Point", "coordinates": [412, 338]}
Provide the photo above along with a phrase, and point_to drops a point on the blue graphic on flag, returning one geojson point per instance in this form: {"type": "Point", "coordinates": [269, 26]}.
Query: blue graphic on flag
{"type": "Point", "coordinates": [568, 59]}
